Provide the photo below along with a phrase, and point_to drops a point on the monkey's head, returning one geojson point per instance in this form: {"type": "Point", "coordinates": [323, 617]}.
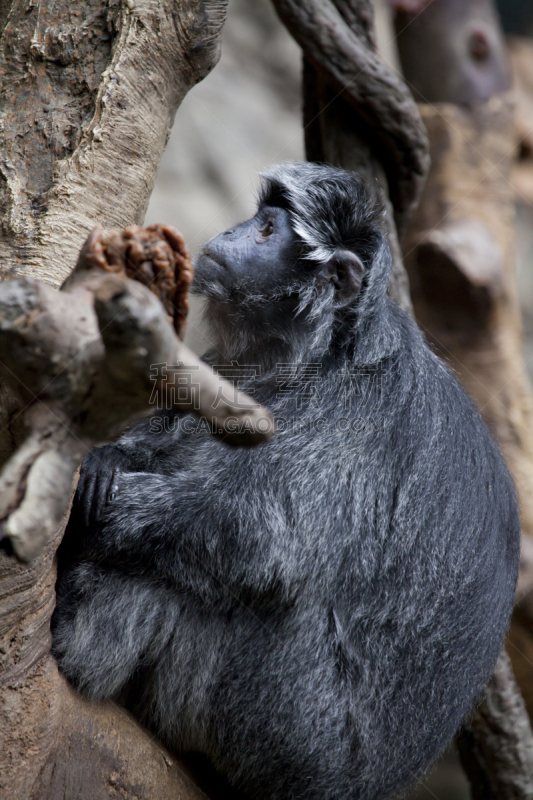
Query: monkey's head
{"type": "Point", "coordinates": [307, 270]}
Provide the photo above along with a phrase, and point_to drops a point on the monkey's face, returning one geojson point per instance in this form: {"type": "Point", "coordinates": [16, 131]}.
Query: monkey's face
{"type": "Point", "coordinates": [253, 261]}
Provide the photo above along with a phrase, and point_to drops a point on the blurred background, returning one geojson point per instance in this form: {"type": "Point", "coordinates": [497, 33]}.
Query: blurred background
{"type": "Point", "coordinates": [247, 114]}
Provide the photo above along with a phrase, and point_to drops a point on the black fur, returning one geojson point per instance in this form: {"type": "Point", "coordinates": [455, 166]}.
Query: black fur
{"type": "Point", "coordinates": [317, 615]}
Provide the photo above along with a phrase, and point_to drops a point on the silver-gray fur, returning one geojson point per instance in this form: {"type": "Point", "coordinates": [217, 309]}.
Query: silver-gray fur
{"type": "Point", "coordinates": [316, 616]}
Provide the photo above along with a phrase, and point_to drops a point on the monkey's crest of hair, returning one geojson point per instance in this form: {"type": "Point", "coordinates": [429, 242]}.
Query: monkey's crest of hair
{"type": "Point", "coordinates": [331, 211]}
{"type": "Point", "coordinates": [330, 208]}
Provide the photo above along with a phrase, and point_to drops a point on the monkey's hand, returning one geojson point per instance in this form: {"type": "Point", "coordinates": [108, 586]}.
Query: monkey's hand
{"type": "Point", "coordinates": [98, 482]}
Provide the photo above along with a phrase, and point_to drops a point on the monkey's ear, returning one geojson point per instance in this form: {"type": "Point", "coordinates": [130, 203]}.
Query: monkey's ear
{"type": "Point", "coordinates": [345, 270]}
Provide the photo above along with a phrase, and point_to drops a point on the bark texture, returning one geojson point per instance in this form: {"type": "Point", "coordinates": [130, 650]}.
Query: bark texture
{"type": "Point", "coordinates": [520, 49]}
{"type": "Point", "coordinates": [89, 91]}
{"type": "Point", "coordinates": [521, 58]}
{"type": "Point", "coordinates": [459, 254]}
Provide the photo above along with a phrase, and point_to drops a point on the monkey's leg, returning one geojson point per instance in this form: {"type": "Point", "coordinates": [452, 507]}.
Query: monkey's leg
{"type": "Point", "coordinates": [103, 625]}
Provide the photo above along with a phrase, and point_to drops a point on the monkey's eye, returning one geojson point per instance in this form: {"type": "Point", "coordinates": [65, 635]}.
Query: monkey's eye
{"type": "Point", "coordinates": [267, 229]}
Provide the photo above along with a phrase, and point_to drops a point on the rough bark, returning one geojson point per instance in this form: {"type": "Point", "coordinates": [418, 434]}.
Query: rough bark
{"type": "Point", "coordinates": [89, 91]}
{"type": "Point", "coordinates": [459, 255]}
{"type": "Point", "coordinates": [357, 113]}
{"type": "Point", "coordinates": [521, 58]}
{"type": "Point", "coordinates": [460, 260]}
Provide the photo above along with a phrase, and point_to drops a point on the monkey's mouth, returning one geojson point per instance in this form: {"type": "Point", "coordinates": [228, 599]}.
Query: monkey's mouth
{"type": "Point", "coordinates": [208, 276]}
{"type": "Point", "coordinates": [207, 260]}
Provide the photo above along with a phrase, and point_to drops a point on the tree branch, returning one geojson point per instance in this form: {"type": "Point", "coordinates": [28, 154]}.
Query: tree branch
{"type": "Point", "coordinates": [496, 746]}
{"type": "Point", "coordinates": [89, 92]}
{"type": "Point", "coordinates": [336, 38]}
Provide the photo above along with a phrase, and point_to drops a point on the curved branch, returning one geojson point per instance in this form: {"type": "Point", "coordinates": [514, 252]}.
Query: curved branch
{"type": "Point", "coordinates": [337, 43]}
{"type": "Point", "coordinates": [89, 92]}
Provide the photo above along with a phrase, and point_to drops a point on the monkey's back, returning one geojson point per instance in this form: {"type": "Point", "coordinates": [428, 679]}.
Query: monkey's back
{"type": "Point", "coordinates": [405, 540]}
{"type": "Point", "coordinates": [422, 535]}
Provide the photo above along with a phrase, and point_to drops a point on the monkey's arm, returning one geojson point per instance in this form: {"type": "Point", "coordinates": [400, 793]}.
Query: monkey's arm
{"type": "Point", "coordinates": [145, 448]}
{"type": "Point", "coordinates": [214, 544]}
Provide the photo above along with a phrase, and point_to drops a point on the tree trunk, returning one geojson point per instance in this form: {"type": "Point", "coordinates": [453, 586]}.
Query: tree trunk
{"type": "Point", "coordinates": [89, 92]}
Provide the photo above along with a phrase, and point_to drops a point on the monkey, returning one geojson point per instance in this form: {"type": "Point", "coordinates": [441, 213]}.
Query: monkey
{"type": "Point", "coordinates": [315, 616]}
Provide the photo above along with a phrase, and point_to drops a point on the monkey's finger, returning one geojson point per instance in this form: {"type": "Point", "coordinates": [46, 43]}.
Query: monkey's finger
{"type": "Point", "coordinates": [101, 490]}
{"type": "Point", "coordinates": [87, 498]}
{"type": "Point", "coordinates": [80, 488]}
{"type": "Point", "coordinates": [113, 485]}
{"type": "Point", "coordinates": [84, 488]}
